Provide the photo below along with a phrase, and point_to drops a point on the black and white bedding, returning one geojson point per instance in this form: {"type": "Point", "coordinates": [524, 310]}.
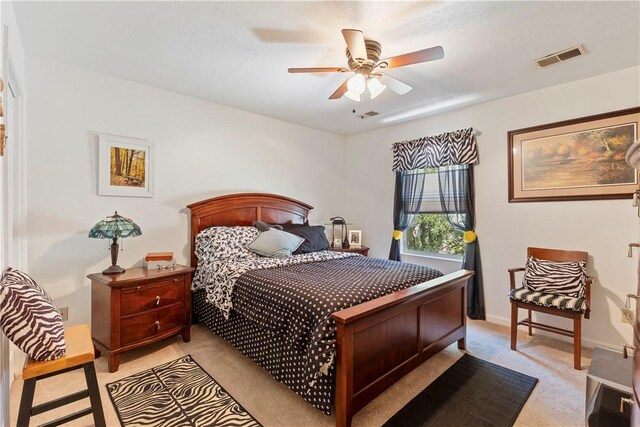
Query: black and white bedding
{"type": "Point", "coordinates": [278, 311]}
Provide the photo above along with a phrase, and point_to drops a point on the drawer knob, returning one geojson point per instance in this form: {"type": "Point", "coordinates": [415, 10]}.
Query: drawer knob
{"type": "Point", "coordinates": [175, 280]}
{"type": "Point", "coordinates": [157, 300]}
{"type": "Point", "coordinates": [157, 325]}
{"type": "Point", "coordinates": [624, 400]}
{"type": "Point", "coordinates": [138, 288]}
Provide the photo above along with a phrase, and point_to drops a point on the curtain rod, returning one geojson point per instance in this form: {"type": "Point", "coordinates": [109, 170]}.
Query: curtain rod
{"type": "Point", "coordinates": [476, 132]}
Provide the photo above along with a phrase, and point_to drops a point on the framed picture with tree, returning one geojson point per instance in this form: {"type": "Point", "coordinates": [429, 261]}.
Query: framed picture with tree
{"type": "Point", "coordinates": [124, 166]}
{"type": "Point", "coordinates": [578, 159]}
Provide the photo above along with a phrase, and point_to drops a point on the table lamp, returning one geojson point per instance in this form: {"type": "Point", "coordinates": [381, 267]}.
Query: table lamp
{"type": "Point", "coordinates": [114, 227]}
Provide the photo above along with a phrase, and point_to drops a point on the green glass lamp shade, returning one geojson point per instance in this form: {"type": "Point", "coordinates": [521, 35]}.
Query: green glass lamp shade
{"type": "Point", "coordinates": [114, 227]}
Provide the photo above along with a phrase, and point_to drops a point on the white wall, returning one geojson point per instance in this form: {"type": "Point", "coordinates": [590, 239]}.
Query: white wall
{"type": "Point", "coordinates": [201, 150]}
{"type": "Point", "coordinates": [602, 228]}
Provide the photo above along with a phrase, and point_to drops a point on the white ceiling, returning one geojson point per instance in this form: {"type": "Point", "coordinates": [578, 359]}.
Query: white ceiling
{"type": "Point", "coordinates": [237, 53]}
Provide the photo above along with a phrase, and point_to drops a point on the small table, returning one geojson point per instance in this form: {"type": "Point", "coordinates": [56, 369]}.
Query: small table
{"type": "Point", "coordinates": [135, 308]}
{"type": "Point", "coordinates": [362, 250]}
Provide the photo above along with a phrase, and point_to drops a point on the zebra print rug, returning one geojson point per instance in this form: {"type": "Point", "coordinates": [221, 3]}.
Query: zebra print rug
{"type": "Point", "coordinates": [178, 393]}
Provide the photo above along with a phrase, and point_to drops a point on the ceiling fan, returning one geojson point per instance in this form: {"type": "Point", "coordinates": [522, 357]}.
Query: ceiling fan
{"type": "Point", "coordinates": [363, 58]}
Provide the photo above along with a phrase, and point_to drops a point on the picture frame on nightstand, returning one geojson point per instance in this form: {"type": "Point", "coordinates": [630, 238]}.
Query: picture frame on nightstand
{"type": "Point", "coordinates": [355, 238]}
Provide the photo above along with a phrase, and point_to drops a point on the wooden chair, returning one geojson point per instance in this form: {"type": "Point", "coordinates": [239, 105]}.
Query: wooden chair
{"type": "Point", "coordinates": [575, 315]}
{"type": "Point", "coordinates": [80, 354]}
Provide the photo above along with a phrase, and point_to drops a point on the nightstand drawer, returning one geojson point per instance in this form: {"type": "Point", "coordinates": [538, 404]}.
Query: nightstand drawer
{"type": "Point", "coordinates": [170, 318]}
{"type": "Point", "coordinates": [146, 325]}
{"type": "Point", "coordinates": [142, 298]}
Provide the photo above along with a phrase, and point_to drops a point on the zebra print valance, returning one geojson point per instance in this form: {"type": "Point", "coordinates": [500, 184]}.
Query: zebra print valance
{"type": "Point", "coordinates": [447, 149]}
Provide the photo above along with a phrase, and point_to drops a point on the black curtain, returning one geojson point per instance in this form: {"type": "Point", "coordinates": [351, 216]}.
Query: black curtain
{"type": "Point", "coordinates": [407, 199]}
{"type": "Point", "coordinates": [457, 197]}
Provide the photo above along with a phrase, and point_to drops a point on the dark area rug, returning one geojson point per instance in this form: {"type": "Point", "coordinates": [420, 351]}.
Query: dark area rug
{"type": "Point", "coordinates": [178, 393]}
{"type": "Point", "coordinates": [472, 392]}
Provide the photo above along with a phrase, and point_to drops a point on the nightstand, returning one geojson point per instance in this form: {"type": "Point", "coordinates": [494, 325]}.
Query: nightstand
{"type": "Point", "coordinates": [362, 250]}
{"type": "Point", "coordinates": [138, 307]}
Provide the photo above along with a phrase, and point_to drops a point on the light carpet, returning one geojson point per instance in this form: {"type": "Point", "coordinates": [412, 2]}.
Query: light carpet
{"type": "Point", "coordinates": [558, 399]}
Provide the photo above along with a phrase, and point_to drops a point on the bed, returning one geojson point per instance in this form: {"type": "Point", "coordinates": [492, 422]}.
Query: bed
{"type": "Point", "coordinates": [377, 341]}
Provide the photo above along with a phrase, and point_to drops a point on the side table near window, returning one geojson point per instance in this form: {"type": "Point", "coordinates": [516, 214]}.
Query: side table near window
{"type": "Point", "coordinates": [138, 307]}
{"type": "Point", "coordinates": [362, 250]}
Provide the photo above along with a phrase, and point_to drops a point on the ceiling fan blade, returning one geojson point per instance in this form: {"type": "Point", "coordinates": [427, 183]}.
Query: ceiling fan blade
{"type": "Point", "coordinates": [394, 84]}
{"type": "Point", "coordinates": [355, 44]}
{"type": "Point", "coordinates": [340, 91]}
{"type": "Point", "coordinates": [319, 70]}
{"type": "Point", "coordinates": [424, 55]}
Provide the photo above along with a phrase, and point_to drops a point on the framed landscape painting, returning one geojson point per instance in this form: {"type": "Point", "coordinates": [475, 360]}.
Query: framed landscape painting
{"type": "Point", "coordinates": [125, 166]}
{"type": "Point", "coordinates": [579, 159]}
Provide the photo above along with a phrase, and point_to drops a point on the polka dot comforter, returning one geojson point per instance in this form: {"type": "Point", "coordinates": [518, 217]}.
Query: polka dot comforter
{"type": "Point", "coordinates": [279, 313]}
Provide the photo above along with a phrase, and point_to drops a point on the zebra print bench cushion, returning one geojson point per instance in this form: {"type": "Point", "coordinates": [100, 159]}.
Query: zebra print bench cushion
{"type": "Point", "coordinates": [29, 318]}
{"type": "Point", "coordinates": [562, 302]}
{"type": "Point", "coordinates": [555, 277]}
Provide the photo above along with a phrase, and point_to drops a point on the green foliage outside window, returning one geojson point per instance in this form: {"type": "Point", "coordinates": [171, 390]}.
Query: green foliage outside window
{"type": "Point", "coordinates": [433, 233]}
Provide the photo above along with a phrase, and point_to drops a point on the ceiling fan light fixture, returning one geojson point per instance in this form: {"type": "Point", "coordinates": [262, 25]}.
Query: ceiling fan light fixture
{"type": "Point", "coordinates": [357, 85]}
{"type": "Point", "coordinates": [375, 87]}
{"type": "Point", "coordinates": [352, 96]}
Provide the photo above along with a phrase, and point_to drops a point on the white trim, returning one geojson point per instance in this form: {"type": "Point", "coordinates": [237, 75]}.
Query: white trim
{"type": "Point", "coordinates": [15, 162]}
{"type": "Point", "coordinates": [17, 152]}
{"type": "Point", "coordinates": [432, 255]}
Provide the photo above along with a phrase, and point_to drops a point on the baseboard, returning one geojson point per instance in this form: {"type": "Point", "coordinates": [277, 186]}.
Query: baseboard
{"type": "Point", "coordinates": [586, 342]}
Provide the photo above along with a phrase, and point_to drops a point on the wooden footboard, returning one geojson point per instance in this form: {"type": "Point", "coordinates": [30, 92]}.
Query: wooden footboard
{"type": "Point", "coordinates": [382, 340]}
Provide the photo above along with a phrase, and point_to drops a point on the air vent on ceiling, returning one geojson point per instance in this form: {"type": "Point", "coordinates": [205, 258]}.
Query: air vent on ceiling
{"type": "Point", "coordinates": [365, 115]}
{"type": "Point", "coordinates": [561, 56]}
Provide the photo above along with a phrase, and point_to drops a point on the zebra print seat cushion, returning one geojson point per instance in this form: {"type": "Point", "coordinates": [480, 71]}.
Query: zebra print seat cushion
{"type": "Point", "coordinates": [29, 318]}
{"type": "Point", "coordinates": [555, 277]}
{"type": "Point", "coordinates": [562, 302]}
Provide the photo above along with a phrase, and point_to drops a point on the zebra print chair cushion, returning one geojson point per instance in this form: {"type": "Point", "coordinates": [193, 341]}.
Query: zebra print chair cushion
{"type": "Point", "coordinates": [555, 277]}
{"type": "Point", "coordinates": [562, 302]}
{"type": "Point", "coordinates": [29, 318]}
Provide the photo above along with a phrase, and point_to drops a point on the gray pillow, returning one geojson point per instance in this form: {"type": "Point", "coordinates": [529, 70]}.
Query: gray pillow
{"type": "Point", "coordinates": [275, 244]}
{"type": "Point", "coordinates": [263, 226]}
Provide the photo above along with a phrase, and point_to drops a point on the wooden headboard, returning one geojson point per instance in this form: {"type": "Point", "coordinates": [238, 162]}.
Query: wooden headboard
{"type": "Point", "coordinates": [243, 209]}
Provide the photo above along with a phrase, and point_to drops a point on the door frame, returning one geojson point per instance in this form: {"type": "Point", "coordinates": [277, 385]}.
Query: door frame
{"type": "Point", "coordinates": [14, 208]}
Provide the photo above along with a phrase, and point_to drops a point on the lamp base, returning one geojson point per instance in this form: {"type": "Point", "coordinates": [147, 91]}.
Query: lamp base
{"type": "Point", "coordinates": [114, 269]}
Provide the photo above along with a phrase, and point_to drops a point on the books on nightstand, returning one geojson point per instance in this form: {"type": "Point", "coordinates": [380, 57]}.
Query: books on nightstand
{"type": "Point", "coordinates": [159, 261]}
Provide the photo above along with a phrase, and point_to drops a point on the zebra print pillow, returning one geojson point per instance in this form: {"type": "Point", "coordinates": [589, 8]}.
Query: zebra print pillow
{"type": "Point", "coordinates": [29, 318]}
{"type": "Point", "coordinates": [555, 277]}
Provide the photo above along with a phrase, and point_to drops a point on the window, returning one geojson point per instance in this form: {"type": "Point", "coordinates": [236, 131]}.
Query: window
{"type": "Point", "coordinates": [431, 232]}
